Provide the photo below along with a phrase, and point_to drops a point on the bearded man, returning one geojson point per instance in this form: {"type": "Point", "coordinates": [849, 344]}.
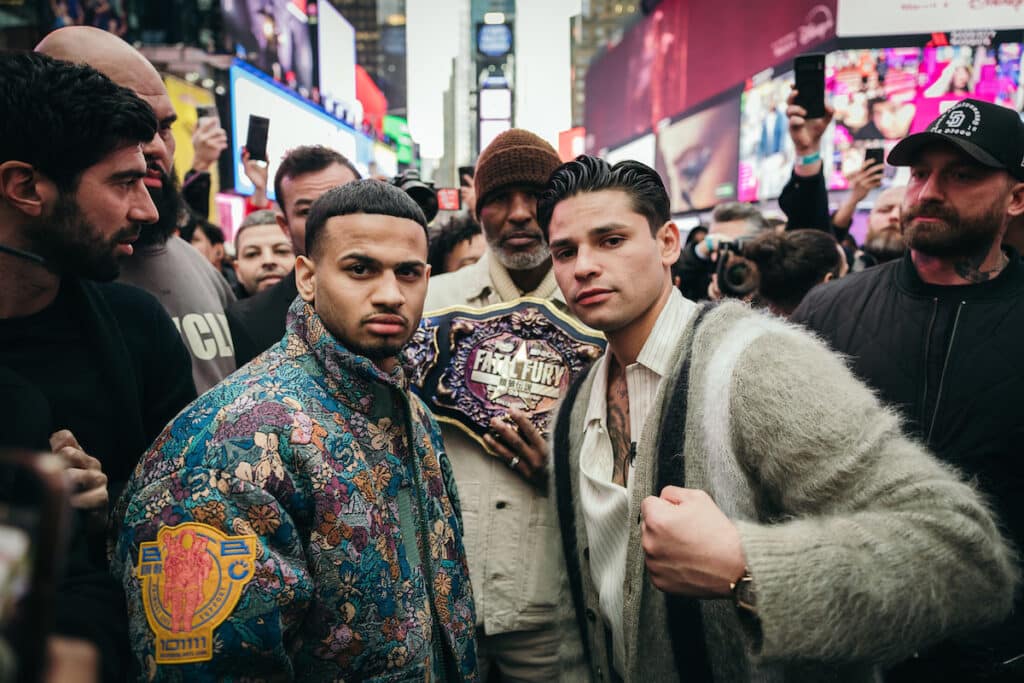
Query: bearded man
{"type": "Point", "coordinates": [936, 333]}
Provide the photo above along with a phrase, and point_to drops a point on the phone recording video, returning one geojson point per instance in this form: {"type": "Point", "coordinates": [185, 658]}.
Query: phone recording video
{"type": "Point", "coordinates": [875, 154]}
{"type": "Point", "coordinates": [256, 138]}
{"type": "Point", "coordinates": [810, 84]}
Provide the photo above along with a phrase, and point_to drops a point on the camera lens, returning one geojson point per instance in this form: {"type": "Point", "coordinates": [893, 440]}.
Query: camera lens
{"type": "Point", "coordinates": [737, 277]}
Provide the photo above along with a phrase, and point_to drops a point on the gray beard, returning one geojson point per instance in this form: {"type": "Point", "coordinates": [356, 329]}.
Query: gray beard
{"type": "Point", "coordinates": [522, 260]}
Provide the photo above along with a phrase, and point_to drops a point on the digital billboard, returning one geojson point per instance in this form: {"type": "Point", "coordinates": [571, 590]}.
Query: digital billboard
{"type": "Point", "coordinates": [274, 37]}
{"type": "Point", "coordinates": [293, 123]}
{"type": "Point", "coordinates": [640, 81]}
{"type": "Point", "coordinates": [882, 95]}
{"type": "Point", "coordinates": [641, 149]}
{"type": "Point", "coordinates": [686, 53]}
{"type": "Point", "coordinates": [886, 17]}
{"type": "Point", "coordinates": [336, 59]}
{"type": "Point", "coordinates": [766, 153]}
{"type": "Point", "coordinates": [697, 156]}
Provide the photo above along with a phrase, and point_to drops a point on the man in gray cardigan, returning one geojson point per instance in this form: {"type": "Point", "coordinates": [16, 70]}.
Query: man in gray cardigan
{"type": "Point", "coordinates": [734, 504]}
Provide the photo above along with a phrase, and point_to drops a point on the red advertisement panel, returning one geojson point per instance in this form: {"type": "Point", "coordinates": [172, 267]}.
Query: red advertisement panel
{"type": "Point", "coordinates": [685, 53]}
{"type": "Point", "coordinates": [641, 80]}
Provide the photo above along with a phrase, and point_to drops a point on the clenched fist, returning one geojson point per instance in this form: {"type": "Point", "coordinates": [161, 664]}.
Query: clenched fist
{"type": "Point", "coordinates": [691, 548]}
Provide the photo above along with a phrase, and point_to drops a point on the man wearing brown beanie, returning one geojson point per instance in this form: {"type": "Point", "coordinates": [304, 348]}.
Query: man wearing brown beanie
{"type": "Point", "coordinates": [510, 535]}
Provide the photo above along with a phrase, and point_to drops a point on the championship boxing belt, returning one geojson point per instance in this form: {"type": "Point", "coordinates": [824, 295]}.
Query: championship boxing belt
{"type": "Point", "coordinates": [473, 364]}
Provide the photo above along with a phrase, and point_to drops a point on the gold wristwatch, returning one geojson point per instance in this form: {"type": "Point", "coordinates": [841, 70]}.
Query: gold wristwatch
{"type": "Point", "coordinates": [743, 594]}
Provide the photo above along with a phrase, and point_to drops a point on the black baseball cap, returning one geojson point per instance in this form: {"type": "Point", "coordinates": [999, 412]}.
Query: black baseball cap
{"type": "Point", "coordinates": [990, 134]}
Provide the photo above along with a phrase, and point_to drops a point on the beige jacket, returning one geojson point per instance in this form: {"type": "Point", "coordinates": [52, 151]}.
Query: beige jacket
{"type": "Point", "coordinates": [511, 538]}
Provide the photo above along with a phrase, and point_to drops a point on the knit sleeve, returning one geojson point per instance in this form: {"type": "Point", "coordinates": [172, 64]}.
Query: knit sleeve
{"type": "Point", "coordinates": [877, 549]}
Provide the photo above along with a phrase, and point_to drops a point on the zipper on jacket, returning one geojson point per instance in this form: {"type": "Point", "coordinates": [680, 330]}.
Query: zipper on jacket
{"type": "Point", "coordinates": [942, 375]}
{"type": "Point", "coordinates": [927, 349]}
{"type": "Point", "coordinates": [446, 644]}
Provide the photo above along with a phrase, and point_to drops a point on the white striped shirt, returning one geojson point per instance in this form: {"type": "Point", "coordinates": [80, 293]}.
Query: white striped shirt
{"type": "Point", "coordinates": [605, 504]}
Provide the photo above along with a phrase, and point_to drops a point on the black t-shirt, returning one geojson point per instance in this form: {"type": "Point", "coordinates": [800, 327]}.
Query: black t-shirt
{"type": "Point", "coordinates": [51, 352]}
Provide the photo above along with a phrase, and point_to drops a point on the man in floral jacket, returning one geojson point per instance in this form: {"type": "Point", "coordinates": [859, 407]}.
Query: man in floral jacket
{"type": "Point", "coordinates": [299, 520]}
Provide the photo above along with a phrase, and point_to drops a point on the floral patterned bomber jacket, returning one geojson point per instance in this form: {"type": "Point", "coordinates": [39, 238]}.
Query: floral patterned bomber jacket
{"type": "Point", "coordinates": [299, 521]}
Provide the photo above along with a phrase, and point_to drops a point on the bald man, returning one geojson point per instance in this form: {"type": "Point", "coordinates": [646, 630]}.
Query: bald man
{"type": "Point", "coordinates": [192, 291]}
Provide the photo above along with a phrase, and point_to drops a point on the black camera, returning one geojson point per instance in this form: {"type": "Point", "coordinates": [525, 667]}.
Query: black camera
{"type": "Point", "coordinates": [422, 192]}
{"type": "Point", "coordinates": [738, 276]}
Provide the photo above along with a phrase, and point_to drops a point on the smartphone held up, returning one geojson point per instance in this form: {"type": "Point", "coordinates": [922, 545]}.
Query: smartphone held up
{"type": "Point", "coordinates": [256, 137]}
{"type": "Point", "coordinates": [810, 84]}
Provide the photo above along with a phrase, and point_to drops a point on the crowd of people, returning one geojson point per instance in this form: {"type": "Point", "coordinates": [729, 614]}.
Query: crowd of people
{"type": "Point", "coordinates": [795, 458]}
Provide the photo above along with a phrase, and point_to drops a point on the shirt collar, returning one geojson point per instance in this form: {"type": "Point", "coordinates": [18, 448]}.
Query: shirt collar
{"type": "Point", "coordinates": [657, 353]}
{"type": "Point", "coordinates": [597, 406]}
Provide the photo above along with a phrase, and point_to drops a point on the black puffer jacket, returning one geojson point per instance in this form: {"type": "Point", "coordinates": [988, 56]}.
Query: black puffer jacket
{"type": "Point", "coordinates": [951, 360]}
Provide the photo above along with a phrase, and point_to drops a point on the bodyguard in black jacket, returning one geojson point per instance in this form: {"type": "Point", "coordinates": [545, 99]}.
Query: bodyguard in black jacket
{"type": "Point", "coordinates": [91, 371]}
{"type": "Point", "coordinates": [938, 334]}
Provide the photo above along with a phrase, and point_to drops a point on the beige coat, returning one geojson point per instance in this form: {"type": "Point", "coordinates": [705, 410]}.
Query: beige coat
{"type": "Point", "coordinates": [511, 538]}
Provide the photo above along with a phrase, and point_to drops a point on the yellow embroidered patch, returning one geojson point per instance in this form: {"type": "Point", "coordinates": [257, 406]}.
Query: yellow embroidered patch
{"type": "Point", "coordinates": [192, 577]}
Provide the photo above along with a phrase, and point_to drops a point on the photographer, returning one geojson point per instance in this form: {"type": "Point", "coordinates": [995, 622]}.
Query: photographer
{"type": "Point", "coordinates": [421, 191]}
{"type": "Point", "coordinates": [697, 264]}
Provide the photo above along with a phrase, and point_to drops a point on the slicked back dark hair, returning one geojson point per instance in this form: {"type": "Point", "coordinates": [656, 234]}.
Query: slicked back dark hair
{"type": "Point", "coordinates": [587, 173]}
{"type": "Point", "coordinates": [307, 159]}
{"type": "Point", "coordinates": [63, 118]}
{"type": "Point", "coordinates": [360, 196]}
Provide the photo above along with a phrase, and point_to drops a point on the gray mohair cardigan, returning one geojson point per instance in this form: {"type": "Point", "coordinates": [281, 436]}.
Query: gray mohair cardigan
{"type": "Point", "coordinates": [862, 546]}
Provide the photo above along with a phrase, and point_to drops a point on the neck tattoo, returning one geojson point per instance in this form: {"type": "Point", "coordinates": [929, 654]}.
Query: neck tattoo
{"type": "Point", "coordinates": [970, 269]}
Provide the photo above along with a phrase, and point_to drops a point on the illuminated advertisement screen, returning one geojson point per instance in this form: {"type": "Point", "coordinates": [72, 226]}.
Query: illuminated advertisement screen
{"type": "Point", "coordinates": [494, 40]}
{"type": "Point", "coordinates": [766, 153]}
{"type": "Point", "coordinates": [641, 149]}
{"type": "Point", "coordinates": [882, 95]}
{"type": "Point", "coordinates": [386, 160]}
{"type": "Point", "coordinates": [274, 37]}
{"type": "Point", "coordinates": [185, 97]}
{"type": "Point", "coordinates": [293, 123]}
{"type": "Point", "coordinates": [697, 156]}
{"type": "Point", "coordinates": [495, 103]}
{"type": "Point", "coordinates": [886, 17]}
{"type": "Point", "coordinates": [336, 53]}
{"type": "Point", "coordinates": [640, 81]}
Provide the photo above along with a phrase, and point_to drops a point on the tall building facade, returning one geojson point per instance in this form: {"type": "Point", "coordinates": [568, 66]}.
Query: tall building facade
{"type": "Point", "coordinates": [381, 45]}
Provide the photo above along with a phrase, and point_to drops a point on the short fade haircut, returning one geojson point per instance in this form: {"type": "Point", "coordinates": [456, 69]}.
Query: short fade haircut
{"type": "Point", "coordinates": [307, 159]}
{"type": "Point", "coordinates": [738, 211]}
{"type": "Point", "coordinates": [361, 196]}
{"type": "Point", "coordinates": [458, 229]}
{"type": "Point", "coordinates": [643, 185]}
{"type": "Point", "coordinates": [261, 217]}
{"type": "Point", "coordinates": [63, 118]}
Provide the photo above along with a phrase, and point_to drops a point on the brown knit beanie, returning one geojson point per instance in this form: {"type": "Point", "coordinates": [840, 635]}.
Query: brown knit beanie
{"type": "Point", "coordinates": [516, 157]}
